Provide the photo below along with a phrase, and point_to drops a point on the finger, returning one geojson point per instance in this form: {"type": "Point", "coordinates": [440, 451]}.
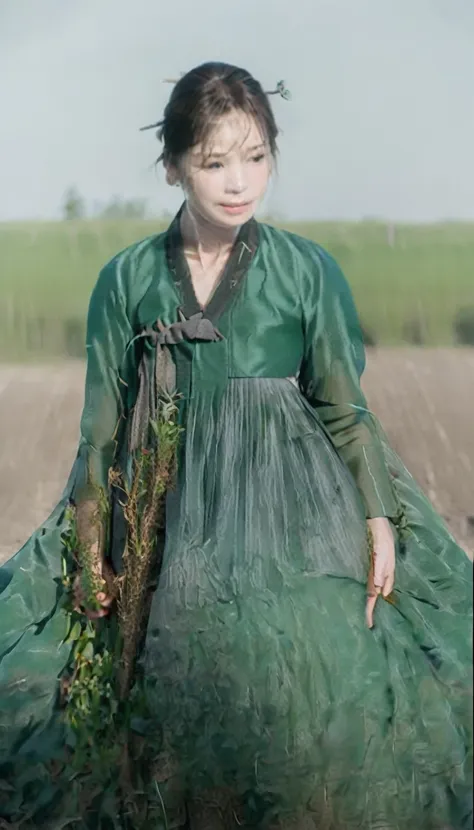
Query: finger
{"type": "Point", "coordinates": [379, 571]}
{"type": "Point", "coordinates": [95, 615]}
{"type": "Point", "coordinates": [369, 612]}
{"type": "Point", "coordinates": [97, 569]}
{"type": "Point", "coordinates": [105, 600]}
{"type": "Point", "coordinates": [78, 597]}
{"type": "Point", "coordinates": [77, 587]}
{"type": "Point", "coordinates": [110, 579]}
{"type": "Point", "coordinates": [107, 570]}
{"type": "Point", "coordinates": [369, 609]}
{"type": "Point", "coordinates": [388, 586]}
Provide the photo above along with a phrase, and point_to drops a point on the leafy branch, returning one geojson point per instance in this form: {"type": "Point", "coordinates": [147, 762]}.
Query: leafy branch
{"type": "Point", "coordinates": [100, 694]}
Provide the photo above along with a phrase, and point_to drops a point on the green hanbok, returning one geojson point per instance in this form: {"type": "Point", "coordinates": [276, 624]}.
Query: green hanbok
{"type": "Point", "coordinates": [260, 671]}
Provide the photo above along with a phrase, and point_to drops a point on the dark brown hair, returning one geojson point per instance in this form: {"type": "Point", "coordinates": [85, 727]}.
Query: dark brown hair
{"type": "Point", "coordinates": [201, 97]}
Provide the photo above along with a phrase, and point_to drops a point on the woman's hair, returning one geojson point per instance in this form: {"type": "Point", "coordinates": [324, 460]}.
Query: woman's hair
{"type": "Point", "coordinates": [201, 97]}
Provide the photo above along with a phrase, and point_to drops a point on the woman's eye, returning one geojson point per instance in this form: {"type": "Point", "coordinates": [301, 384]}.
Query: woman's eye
{"type": "Point", "coordinates": [214, 165]}
{"type": "Point", "coordinates": [258, 158]}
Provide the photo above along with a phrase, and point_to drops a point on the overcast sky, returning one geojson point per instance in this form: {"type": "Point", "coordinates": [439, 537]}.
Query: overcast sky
{"type": "Point", "coordinates": [381, 123]}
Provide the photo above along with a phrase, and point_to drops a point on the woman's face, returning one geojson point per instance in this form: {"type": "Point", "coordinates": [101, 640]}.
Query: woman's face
{"type": "Point", "coordinates": [225, 181]}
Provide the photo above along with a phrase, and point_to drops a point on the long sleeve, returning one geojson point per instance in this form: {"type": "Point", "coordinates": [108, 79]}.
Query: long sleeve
{"type": "Point", "coordinates": [109, 331]}
{"type": "Point", "coordinates": [330, 375]}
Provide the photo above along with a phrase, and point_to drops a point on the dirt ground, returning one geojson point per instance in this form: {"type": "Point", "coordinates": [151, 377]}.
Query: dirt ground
{"type": "Point", "coordinates": [424, 399]}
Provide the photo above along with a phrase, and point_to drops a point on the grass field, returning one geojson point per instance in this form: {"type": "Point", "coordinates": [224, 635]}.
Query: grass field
{"type": "Point", "coordinates": [410, 282]}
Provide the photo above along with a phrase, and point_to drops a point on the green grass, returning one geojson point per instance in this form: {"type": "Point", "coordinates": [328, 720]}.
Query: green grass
{"type": "Point", "coordinates": [407, 291]}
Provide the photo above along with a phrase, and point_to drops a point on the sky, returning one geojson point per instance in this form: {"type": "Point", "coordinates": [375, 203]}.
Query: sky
{"type": "Point", "coordinates": [381, 124]}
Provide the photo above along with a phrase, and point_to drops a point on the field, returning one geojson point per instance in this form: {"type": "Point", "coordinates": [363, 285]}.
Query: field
{"type": "Point", "coordinates": [410, 283]}
{"type": "Point", "coordinates": [424, 398]}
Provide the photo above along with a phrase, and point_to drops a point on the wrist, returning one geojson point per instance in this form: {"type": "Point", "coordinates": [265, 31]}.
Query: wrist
{"type": "Point", "coordinates": [90, 532]}
{"type": "Point", "coordinates": [380, 527]}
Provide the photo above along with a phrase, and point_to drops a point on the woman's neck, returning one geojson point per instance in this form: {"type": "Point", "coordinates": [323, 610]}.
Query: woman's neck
{"type": "Point", "coordinates": [203, 240]}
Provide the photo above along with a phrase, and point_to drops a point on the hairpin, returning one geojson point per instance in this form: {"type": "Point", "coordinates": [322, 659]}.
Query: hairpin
{"type": "Point", "coordinates": [151, 126]}
{"type": "Point", "coordinates": [281, 90]}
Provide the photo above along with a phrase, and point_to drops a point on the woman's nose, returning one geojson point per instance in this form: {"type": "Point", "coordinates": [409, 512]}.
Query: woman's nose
{"type": "Point", "coordinates": [236, 182]}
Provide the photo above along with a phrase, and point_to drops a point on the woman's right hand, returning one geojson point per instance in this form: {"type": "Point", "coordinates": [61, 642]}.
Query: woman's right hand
{"type": "Point", "coordinates": [105, 596]}
{"type": "Point", "coordinates": [94, 586]}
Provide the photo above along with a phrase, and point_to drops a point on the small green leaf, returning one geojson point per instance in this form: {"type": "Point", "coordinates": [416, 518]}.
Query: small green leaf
{"type": "Point", "coordinates": [90, 630]}
{"type": "Point", "coordinates": [75, 632]}
{"type": "Point", "coordinates": [88, 652]}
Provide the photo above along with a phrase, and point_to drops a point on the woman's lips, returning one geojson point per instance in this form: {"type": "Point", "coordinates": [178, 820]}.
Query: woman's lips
{"type": "Point", "coordinates": [236, 208]}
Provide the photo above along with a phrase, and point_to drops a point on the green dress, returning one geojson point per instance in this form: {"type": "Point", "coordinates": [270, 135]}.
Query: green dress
{"type": "Point", "coordinates": [259, 667]}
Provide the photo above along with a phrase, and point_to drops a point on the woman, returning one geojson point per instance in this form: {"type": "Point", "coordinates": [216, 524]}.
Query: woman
{"type": "Point", "coordinates": [290, 693]}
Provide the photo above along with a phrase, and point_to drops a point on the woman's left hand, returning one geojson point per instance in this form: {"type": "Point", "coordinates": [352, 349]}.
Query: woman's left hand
{"type": "Point", "coordinates": [382, 569]}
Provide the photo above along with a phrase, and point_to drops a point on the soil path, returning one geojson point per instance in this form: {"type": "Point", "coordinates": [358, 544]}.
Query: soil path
{"type": "Point", "coordinates": [424, 399]}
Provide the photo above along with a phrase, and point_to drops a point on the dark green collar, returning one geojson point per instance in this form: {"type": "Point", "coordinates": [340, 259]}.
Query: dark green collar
{"type": "Point", "coordinates": [235, 271]}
